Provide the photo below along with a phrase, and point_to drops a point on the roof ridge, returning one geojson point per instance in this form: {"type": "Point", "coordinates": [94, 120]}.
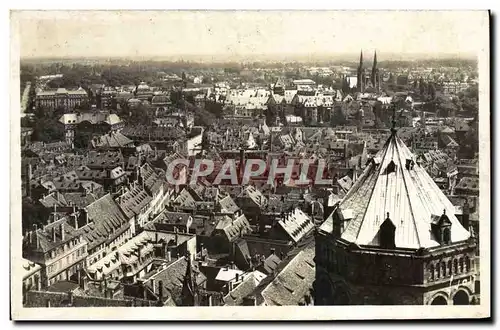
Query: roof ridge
{"type": "Point", "coordinates": [374, 185]}
{"type": "Point", "coordinates": [409, 199]}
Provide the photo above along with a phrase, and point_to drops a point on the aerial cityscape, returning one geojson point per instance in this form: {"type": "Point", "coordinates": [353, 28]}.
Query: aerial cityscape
{"type": "Point", "coordinates": [156, 181]}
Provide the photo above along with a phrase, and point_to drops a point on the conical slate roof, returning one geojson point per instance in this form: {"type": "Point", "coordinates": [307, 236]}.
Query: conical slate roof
{"type": "Point", "coordinates": [393, 183]}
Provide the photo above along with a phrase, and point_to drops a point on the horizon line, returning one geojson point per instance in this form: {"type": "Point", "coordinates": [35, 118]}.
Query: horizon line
{"type": "Point", "coordinates": [271, 56]}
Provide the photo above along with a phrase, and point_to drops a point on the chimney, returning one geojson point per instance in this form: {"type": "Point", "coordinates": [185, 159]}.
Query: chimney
{"type": "Point", "coordinates": [153, 285]}
{"type": "Point", "coordinates": [106, 287]}
{"type": "Point", "coordinates": [466, 215]}
{"type": "Point", "coordinates": [82, 280]}
{"type": "Point", "coordinates": [54, 233]}
{"type": "Point", "coordinates": [47, 302]}
{"type": "Point", "coordinates": [55, 212]}
{"type": "Point", "coordinates": [62, 232]}
{"type": "Point", "coordinates": [160, 290]}
{"type": "Point", "coordinates": [70, 298]}
{"type": "Point", "coordinates": [86, 216]}
{"type": "Point", "coordinates": [273, 251]}
{"type": "Point", "coordinates": [210, 302]}
{"type": "Point", "coordinates": [169, 256]}
{"type": "Point", "coordinates": [237, 277]}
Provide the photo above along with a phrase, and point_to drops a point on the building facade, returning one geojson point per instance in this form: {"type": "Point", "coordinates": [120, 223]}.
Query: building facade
{"type": "Point", "coordinates": [394, 239]}
{"type": "Point", "coordinates": [61, 98]}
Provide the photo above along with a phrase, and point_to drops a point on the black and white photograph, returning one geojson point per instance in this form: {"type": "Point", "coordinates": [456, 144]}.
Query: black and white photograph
{"type": "Point", "coordinates": [301, 161]}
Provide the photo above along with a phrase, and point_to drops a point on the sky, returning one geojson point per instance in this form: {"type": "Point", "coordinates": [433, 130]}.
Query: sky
{"type": "Point", "coordinates": [237, 34]}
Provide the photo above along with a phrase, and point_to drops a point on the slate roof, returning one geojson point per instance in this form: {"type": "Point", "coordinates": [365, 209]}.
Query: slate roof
{"type": "Point", "coordinates": [107, 220]}
{"type": "Point", "coordinates": [234, 226]}
{"type": "Point", "coordinates": [296, 224]}
{"type": "Point", "coordinates": [185, 200]}
{"type": "Point", "coordinates": [255, 195]}
{"type": "Point", "coordinates": [294, 282]}
{"type": "Point", "coordinates": [42, 239]}
{"type": "Point", "coordinates": [152, 180]}
{"type": "Point", "coordinates": [172, 277]}
{"type": "Point", "coordinates": [228, 205]}
{"type": "Point", "coordinates": [393, 183]}
{"type": "Point", "coordinates": [270, 264]}
{"type": "Point", "coordinates": [133, 201]}
{"type": "Point", "coordinates": [112, 140]}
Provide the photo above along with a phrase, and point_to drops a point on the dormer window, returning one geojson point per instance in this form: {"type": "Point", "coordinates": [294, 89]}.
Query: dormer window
{"type": "Point", "coordinates": [391, 167]}
{"type": "Point", "coordinates": [409, 164]}
{"type": "Point", "coordinates": [441, 227]}
{"type": "Point", "coordinates": [387, 234]}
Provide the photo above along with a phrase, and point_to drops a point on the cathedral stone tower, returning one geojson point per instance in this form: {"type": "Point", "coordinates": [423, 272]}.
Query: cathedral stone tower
{"type": "Point", "coordinates": [361, 75]}
{"type": "Point", "coordinates": [394, 239]}
{"type": "Point", "coordinates": [375, 76]}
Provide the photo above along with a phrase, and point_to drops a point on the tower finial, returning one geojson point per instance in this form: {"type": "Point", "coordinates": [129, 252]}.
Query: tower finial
{"type": "Point", "coordinates": [361, 59]}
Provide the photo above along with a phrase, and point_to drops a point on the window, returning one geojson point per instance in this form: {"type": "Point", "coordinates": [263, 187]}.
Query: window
{"type": "Point", "coordinates": [431, 272]}
{"type": "Point", "coordinates": [455, 266]}
{"type": "Point", "coordinates": [467, 264]}
{"type": "Point", "coordinates": [450, 270]}
{"type": "Point", "coordinates": [446, 236]}
{"type": "Point", "coordinates": [443, 268]}
{"type": "Point", "coordinates": [438, 271]}
{"type": "Point", "coordinates": [461, 265]}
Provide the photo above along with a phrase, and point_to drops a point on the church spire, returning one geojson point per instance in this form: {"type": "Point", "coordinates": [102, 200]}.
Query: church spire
{"type": "Point", "coordinates": [361, 75]}
{"type": "Point", "coordinates": [189, 289]}
{"type": "Point", "coordinates": [374, 76]}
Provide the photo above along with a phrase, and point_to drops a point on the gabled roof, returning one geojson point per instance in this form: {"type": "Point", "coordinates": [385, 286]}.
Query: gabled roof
{"type": "Point", "coordinates": [228, 205]}
{"type": "Point", "coordinates": [297, 224]}
{"type": "Point", "coordinates": [293, 283]}
{"type": "Point", "coordinates": [394, 183]}
{"type": "Point", "coordinates": [107, 219]}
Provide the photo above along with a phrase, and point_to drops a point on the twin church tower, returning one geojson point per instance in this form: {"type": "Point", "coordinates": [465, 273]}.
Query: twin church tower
{"type": "Point", "coordinates": [365, 81]}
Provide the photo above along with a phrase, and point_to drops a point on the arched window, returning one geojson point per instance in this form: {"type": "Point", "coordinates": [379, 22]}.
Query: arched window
{"type": "Point", "coordinates": [431, 271]}
{"type": "Point", "coordinates": [438, 271]}
{"type": "Point", "coordinates": [439, 300]}
{"type": "Point", "coordinates": [461, 265]}
{"type": "Point", "coordinates": [443, 268]}
{"type": "Point", "coordinates": [450, 270]}
{"type": "Point", "coordinates": [455, 266]}
{"type": "Point", "coordinates": [467, 264]}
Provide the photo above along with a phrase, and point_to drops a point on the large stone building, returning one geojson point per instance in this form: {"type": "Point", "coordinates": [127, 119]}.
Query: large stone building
{"type": "Point", "coordinates": [394, 239]}
{"type": "Point", "coordinates": [61, 98]}
{"type": "Point", "coordinates": [59, 248]}
{"type": "Point", "coordinates": [368, 81]}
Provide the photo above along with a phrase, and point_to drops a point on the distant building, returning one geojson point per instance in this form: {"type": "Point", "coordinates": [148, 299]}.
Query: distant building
{"type": "Point", "coordinates": [67, 99]}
